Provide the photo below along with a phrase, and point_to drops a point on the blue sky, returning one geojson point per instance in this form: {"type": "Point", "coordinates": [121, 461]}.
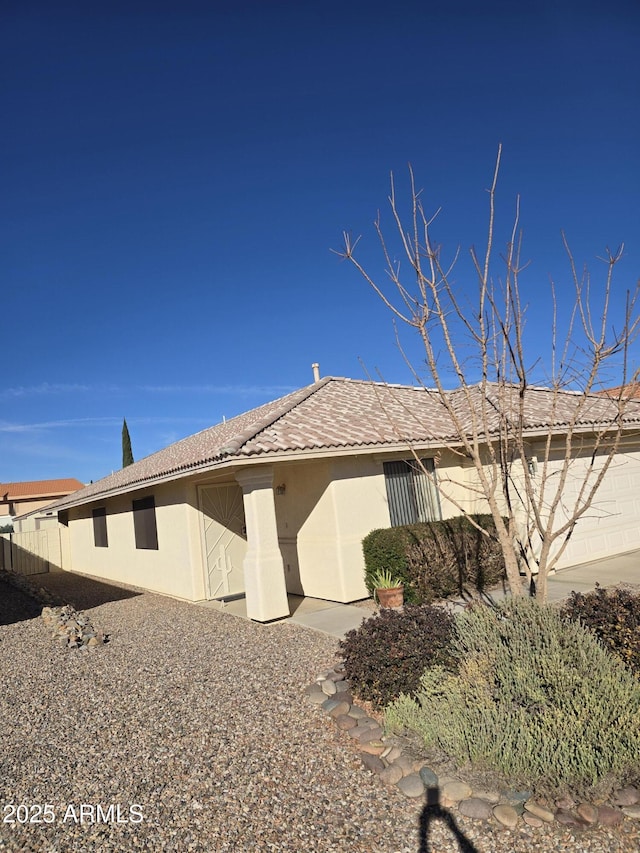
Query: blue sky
{"type": "Point", "coordinates": [174, 176]}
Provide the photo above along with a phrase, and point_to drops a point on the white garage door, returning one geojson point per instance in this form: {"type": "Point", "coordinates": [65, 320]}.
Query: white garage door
{"type": "Point", "coordinates": [612, 525]}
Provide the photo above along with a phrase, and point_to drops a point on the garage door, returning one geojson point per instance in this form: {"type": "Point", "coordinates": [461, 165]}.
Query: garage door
{"type": "Point", "coordinates": [612, 525]}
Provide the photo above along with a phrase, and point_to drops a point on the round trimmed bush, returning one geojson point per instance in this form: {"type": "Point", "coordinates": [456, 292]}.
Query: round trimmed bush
{"type": "Point", "coordinates": [614, 617]}
{"type": "Point", "coordinates": [388, 653]}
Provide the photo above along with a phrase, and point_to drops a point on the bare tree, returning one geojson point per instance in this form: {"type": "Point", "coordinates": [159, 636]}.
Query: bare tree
{"type": "Point", "coordinates": [538, 455]}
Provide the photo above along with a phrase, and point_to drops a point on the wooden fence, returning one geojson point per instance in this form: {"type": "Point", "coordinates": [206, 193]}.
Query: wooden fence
{"type": "Point", "coordinates": [34, 551]}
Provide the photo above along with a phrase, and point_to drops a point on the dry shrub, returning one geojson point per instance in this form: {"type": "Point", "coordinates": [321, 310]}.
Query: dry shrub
{"type": "Point", "coordinates": [536, 698]}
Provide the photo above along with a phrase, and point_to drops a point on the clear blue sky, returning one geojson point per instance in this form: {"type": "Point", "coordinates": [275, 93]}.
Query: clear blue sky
{"type": "Point", "coordinates": [174, 176]}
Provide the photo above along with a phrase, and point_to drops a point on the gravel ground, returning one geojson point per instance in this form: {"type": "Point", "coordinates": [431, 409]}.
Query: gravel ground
{"type": "Point", "coordinates": [198, 718]}
{"type": "Point", "coordinates": [15, 606]}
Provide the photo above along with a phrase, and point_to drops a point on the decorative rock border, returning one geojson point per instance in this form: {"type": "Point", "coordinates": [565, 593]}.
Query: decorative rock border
{"type": "Point", "coordinates": [382, 756]}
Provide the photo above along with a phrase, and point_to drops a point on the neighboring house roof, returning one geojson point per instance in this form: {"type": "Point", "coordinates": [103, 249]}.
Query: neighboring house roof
{"type": "Point", "coordinates": [38, 489]}
{"type": "Point", "coordinates": [627, 392]}
{"type": "Point", "coordinates": [340, 415]}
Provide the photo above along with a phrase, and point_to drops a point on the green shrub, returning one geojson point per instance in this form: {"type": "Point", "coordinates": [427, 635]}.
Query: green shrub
{"type": "Point", "coordinates": [388, 653]}
{"type": "Point", "coordinates": [436, 559]}
{"type": "Point", "coordinates": [384, 550]}
{"type": "Point", "coordinates": [536, 698]}
{"type": "Point", "coordinates": [614, 617]}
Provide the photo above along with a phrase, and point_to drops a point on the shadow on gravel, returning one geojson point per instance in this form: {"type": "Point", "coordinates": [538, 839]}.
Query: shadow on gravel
{"type": "Point", "coordinates": [434, 811]}
{"type": "Point", "coordinates": [16, 606]}
{"type": "Point", "coordinates": [80, 591]}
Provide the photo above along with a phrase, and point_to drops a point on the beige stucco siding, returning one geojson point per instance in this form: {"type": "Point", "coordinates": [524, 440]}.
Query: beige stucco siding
{"type": "Point", "coordinates": [454, 480]}
{"type": "Point", "coordinates": [327, 508]}
{"type": "Point", "coordinates": [175, 568]}
{"type": "Point", "coordinates": [304, 517]}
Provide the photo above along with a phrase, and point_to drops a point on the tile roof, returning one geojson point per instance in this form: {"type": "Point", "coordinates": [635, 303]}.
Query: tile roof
{"type": "Point", "coordinates": [338, 415]}
{"type": "Point", "coordinates": [39, 489]}
{"type": "Point", "coordinates": [631, 391]}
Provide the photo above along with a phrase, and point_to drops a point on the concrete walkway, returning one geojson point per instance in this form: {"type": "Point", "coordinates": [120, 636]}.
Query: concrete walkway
{"type": "Point", "coordinates": [329, 617]}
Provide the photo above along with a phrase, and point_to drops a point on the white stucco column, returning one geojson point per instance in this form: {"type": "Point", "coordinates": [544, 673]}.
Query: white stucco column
{"type": "Point", "coordinates": [264, 580]}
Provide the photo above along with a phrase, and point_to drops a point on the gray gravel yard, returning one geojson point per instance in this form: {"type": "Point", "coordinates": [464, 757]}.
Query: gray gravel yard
{"type": "Point", "coordinates": [198, 718]}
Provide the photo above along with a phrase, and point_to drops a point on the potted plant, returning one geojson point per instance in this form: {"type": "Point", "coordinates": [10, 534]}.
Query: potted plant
{"type": "Point", "coordinates": [387, 589]}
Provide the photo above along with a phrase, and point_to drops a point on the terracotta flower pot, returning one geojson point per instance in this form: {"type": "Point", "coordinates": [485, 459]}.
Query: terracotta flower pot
{"type": "Point", "coordinates": [393, 597]}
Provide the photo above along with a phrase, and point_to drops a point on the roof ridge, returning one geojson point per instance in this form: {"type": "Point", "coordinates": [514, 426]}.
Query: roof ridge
{"type": "Point", "coordinates": [234, 444]}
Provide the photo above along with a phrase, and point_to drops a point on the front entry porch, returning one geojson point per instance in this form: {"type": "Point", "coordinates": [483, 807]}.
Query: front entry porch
{"type": "Point", "coordinates": [329, 617]}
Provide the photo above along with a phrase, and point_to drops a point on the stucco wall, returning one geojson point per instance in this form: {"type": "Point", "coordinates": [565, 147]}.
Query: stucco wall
{"type": "Point", "coordinates": [175, 568]}
{"type": "Point", "coordinates": [326, 510]}
{"type": "Point", "coordinates": [328, 507]}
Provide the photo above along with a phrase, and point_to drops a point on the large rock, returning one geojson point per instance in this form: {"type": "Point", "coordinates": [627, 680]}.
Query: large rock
{"type": "Point", "coordinates": [411, 786]}
{"type": "Point", "coordinates": [514, 797]}
{"type": "Point", "coordinates": [627, 796]}
{"type": "Point", "coordinates": [316, 697]}
{"type": "Point", "coordinates": [609, 816]}
{"type": "Point", "coordinates": [328, 687]}
{"type": "Point", "coordinates": [428, 777]}
{"type": "Point", "coordinates": [370, 735]}
{"type": "Point", "coordinates": [476, 808]}
{"type": "Point", "coordinates": [374, 747]}
{"type": "Point", "coordinates": [492, 797]}
{"type": "Point", "coordinates": [340, 709]}
{"type": "Point", "coordinates": [405, 764]}
{"type": "Point", "coordinates": [391, 775]}
{"type": "Point", "coordinates": [632, 811]}
{"type": "Point", "coordinates": [506, 815]}
{"type": "Point", "coordinates": [538, 810]}
{"type": "Point", "coordinates": [456, 791]}
{"type": "Point", "coordinates": [357, 712]}
{"type": "Point", "coordinates": [568, 819]}
{"type": "Point", "coordinates": [373, 763]}
{"type": "Point", "coordinates": [587, 813]}
{"type": "Point", "coordinates": [391, 753]}
{"type": "Point", "coordinates": [329, 704]}
{"type": "Point", "coordinates": [345, 722]}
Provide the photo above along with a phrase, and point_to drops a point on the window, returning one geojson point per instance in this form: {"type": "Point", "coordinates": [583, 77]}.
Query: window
{"type": "Point", "coordinates": [100, 527]}
{"type": "Point", "coordinates": [144, 522]}
{"type": "Point", "coordinates": [411, 492]}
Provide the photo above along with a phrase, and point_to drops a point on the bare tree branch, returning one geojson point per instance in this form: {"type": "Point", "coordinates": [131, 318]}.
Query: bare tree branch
{"type": "Point", "coordinates": [537, 480]}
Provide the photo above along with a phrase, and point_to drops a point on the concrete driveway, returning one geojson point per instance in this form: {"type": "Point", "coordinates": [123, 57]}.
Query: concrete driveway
{"type": "Point", "coordinates": [625, 568]}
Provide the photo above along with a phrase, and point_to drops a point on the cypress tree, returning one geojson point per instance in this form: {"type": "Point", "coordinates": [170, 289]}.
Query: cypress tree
{"type": "Point", "coordinates": [127, 454]}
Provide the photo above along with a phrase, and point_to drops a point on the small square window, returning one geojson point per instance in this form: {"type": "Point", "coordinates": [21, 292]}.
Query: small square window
{"type": "Point", "coordinates": [100, 539]}
{"type": "Point", "coordinates": [144, 523]}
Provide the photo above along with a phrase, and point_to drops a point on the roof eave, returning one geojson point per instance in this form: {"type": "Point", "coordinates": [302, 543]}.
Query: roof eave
{"type": "Point", "coordinates": [307, 454]}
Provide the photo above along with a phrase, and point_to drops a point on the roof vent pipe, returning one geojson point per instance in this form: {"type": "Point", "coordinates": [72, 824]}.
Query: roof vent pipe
{"type": "Point", "coordinates": [316, 371]}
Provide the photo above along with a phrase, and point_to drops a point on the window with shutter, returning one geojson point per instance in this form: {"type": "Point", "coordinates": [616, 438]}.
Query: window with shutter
{"type": "Point", "coordinates": [144, 523]}
{"type": "Point", "coordinates": [100, 539]}
{"type": "Point", "coordinates": [411, 492]}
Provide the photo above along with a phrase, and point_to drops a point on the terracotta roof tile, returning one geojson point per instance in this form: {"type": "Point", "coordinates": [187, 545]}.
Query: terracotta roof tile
{"type": "Point", "coordinates": [39, 488]}
{"type": "Point", "coordinates": [630, 391]}
{"type": "Point", "coordinates": [344, 414]}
